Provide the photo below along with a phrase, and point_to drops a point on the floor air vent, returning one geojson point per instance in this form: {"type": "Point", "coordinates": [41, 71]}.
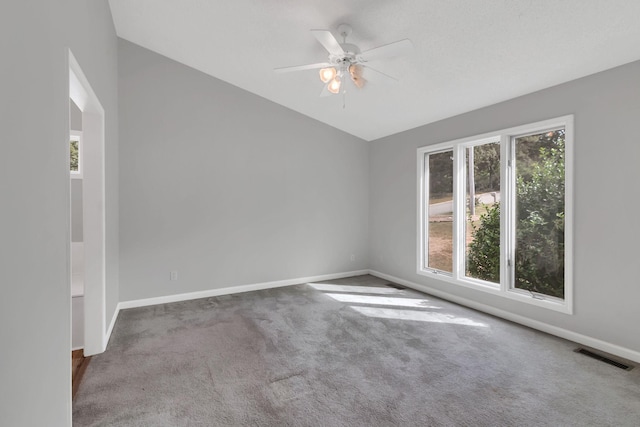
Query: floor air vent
{"type": "Point", "coordinates": [603, 359]}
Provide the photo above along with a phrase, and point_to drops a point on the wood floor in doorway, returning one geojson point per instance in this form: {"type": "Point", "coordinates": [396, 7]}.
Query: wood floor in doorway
{"type": "Point", "coordinates": [79, 365]}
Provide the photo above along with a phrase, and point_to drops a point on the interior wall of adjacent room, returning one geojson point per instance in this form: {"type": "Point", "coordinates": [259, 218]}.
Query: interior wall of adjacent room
{"type": "Point", "coordinates": [34, 186]}
{"type": "Point", "coordinates": [606, 107]}
{"type": "Point", "coordinates": [76, 184]}
{"type": "Point", "coordinates": [228, 188]}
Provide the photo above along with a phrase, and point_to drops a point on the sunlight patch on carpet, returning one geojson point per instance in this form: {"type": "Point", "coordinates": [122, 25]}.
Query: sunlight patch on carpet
{"type": "Point", "coordinates": [419, 316]}
{"type": "Point", "coordinates": [375, 300]}
{"type": "Point", "coordinates": [355, 289]}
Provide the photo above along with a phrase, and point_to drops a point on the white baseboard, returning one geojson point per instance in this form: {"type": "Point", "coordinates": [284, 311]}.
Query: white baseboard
{"type": "Point", "coordinates": [235, 289]}
{"type": "Point", "coordinates": [535, 324]}
{"type": "Point", "coordinates": [222, 291]}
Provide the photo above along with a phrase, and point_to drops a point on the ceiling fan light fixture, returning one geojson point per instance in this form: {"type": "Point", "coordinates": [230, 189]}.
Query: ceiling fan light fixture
{"type": "Point", "coordinates": [334, 85]}
{"type": "Point", "coordinates": [327, 74]}
{"type": "Point", "coordinates": [346, 60]}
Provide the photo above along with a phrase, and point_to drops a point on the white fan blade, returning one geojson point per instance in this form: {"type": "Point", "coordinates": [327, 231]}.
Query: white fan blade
{"type": "Point", "coordinates": [376, 76]}
{"type": "Point", "coordinates": [303, 67]}
{"type": "Point", "coordinates": [329, 42]}
{"type": "Point", "coordinates": [399, 48]}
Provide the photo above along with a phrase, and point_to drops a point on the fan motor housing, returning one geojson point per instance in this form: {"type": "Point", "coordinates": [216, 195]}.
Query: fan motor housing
{"type": "Point", "coordinates": [350, 52]}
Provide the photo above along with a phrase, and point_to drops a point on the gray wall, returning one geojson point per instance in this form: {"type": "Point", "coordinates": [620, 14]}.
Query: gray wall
{"type": "Point", "coordinates": [227, 187]}
{"type": "Point", "coordinates": [76, 184]}
{"type": "Point", "coordinates": [607, 125]}
{"type": "Point", "coordinates": [75, 116]}
{"type": "Point", "coordinates": [35, 327]}
{"type": "Point", "coordinates": [76, 211]}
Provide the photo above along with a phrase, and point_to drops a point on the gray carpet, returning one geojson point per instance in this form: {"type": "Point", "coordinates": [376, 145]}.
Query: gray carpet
{"type": "Point", "coordinates": [348, 352]}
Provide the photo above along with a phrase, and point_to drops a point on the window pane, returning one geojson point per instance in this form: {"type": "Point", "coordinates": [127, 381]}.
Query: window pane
{"type": "Point", "coordinates": [73, 149]}
{"type": "Point", "coordinates": [440, 211]}
{"type": "Point", "coordinates": [539, 240]}
{"type": "Point", "coordinates": [482, 226]}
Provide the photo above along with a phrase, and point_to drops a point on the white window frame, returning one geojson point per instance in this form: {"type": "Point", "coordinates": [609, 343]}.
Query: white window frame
{"type": "Point", "coordinates": [77, 136]}
{"type": "Point", "coordinates": [507, 211]}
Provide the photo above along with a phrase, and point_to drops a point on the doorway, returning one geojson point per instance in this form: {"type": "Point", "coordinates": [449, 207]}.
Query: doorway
{"type": "Point", "coordinates": [93, 207]}
{"type": "Point", "coordinates": [77, 239]}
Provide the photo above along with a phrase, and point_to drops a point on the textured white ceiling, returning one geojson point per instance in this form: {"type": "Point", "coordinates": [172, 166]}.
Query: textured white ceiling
{"type": "Point", "coordinates": [468, 53]}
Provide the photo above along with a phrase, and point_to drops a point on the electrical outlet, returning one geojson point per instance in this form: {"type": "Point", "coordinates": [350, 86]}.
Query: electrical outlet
{"type": "Point", "coordinates": [353, 257]}
{"type": "Point", "coordinates": [173, 275]}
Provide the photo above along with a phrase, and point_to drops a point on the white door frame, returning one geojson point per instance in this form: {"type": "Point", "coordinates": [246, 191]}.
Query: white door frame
{"type": "Point", "coordinates": [93, 208]}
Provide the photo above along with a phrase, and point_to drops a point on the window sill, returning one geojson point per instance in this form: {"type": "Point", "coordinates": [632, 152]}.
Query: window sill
{"type": "Point", "coordinates": [550, 303]}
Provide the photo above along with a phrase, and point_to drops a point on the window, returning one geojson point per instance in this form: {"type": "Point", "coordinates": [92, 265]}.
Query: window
{"type": "Point", "coordinates": [495, 213]}
{"type": "Point", "coordinates": [75, 154]}
{"type": "Point", "coordinates": [440, 210]}
{"type": "Point", "coordinates": [482, 218]}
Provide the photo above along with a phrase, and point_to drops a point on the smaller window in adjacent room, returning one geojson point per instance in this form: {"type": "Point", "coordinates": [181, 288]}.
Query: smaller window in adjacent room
{"type": "Point", "coordinates": [75, 154]}
{"type": "Point", "coordinates": [495, 212]}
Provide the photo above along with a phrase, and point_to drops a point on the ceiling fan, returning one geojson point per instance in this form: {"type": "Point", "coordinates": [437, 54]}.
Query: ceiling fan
{"type": "Point", "coordinates": [346, 61]}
